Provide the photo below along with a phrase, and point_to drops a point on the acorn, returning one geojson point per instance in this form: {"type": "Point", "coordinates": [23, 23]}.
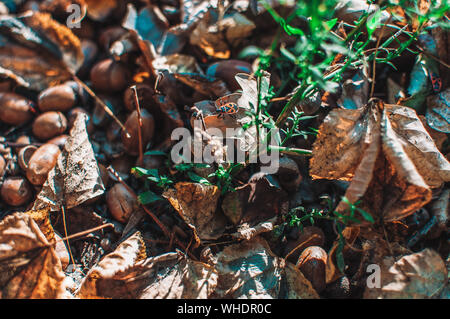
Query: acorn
{"type": "Point", "coordinates": [312, 263]}
{"type": "Point", "coordinates": [2, 166]}
{"type": "Point", "coordinates": [144, 93]}
{"type": "Point", "coordinates": [131, 142]}
{"type": "Point", "coordinates": [226, 70]}
{"type": "Point", "coordinates": [16, 191]}
{"type": "Point", "coordinates": [109, 75]}
{"type": "Point", "coordinates": [121, 203]}
{"type": "Point", "coordinates": [41, 162]}
{"type": "Point", "coordinates": [49, 124]}
{"type": "Point", "coordinates": [307, 237]}
{"type": "Point", "coordinates": [57, 98]}
{"type": "Point", "coordinates": [59, 140]}
{"type": "Point", "coordinates": [15, 109]}
{"type": "Point", "coordinates": [24, 156]}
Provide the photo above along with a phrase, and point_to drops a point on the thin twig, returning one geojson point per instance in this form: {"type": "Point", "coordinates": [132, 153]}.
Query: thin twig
{"type": "Point", "coordinates": [65, 233]}
{"type": "Point", "coordinates": [86, 232]}
{"type": "Point", "coordinates": [138, 109]}
{"type": "Point", "coordinates": [102, 104]}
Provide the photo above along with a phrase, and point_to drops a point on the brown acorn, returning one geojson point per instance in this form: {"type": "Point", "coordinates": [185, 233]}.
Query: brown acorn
{"type": "Point", "coordinates": [307, 237]}
{"type": "Point", "coordinates": [57, 98]}
{"type": "Point", "coordinates": [2, 167]}
{"type": "Point", "coordinates": [121, 203]}
{"type": "Point", "coordinates": [49, 124]}
{"type": "Point", "coordinates": [24, 156]}
{"type": "Point", "coordinates": [110, 35]}
{"type": "Point", "coordinates": [109, 75]}
{"type": "Point", "coordinates": [41, 162]}
{"type": "Point", "coordinates": [312, 263]}
{"type": "Point", "coordinates": [15, 109]}
{"type": "Point", "coordinates": [131, 142]}
{"type": "Point", "coordinates": [59, 141]}
{"type": "Point", "coordinates": [16, 191]}
{"type": "Point", "coordinates": [226, 70]}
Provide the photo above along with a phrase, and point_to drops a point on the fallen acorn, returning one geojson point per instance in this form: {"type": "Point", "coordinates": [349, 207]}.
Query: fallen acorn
{"type": "Point", "coordinates": [307, 237]}
{"type": "Point", "coordinates": [226, 70]}
{"type": "Point", "coordinates": [312, 263]}
{"type": "Point", "coordinates": [15, 109]}
{"type": "Point", "coordinates": [16, 191]}
{"type": "Point", "coordinates": [24, 155]}
{"type": "Point", "coordinates": [41, 162]}
{"type": "Point", "coordinates": [109, 75]}
{"type": "Point", "coordinates": [131, 142]}
{"type": "Point", "coordinates": [59, 141]}
{"type": "Point", "coordinates": [57, 98]}
{"type": "Point", "coordinates": [121, 203]}
{"type": "Point", "coordinates": [2, 167]}
{"type": "Point", "coordinates": [49, 124]}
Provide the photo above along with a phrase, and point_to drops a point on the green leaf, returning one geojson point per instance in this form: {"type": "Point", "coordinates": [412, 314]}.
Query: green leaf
{"type": "Point", "coordinates": [139, 171]}
{"type": "Point", "coordinates": [250, 51]}
{"type": "Point", "coordinates": [155, 152]}
{"type": "Point", "coordinates": [330, 24]}
{"type": "Point", "coordinates": [198, 179]}
{"type": "Point", "coordinates": [148, 197]}
{"type": "Point", "coordinates": [373, 22]}
{"type": "Point", "coordinates": [366, 215]}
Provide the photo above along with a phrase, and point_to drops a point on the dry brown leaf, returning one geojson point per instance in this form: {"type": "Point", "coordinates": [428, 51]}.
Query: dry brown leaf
{"type": "Point", "coordinates": [126, 273]}
{"type": "Point", "coordinates": [214, 37]}
{"type": "Point", "coordinates": [29, 265]}
{"type": "Point", "coordinates": [438, 111]}
{"type": "Point", "coordinates": [39, 50]}
{"type": "Point", "coordinates": [197, 205]}
{"type": "Point", "coordinates": [416, 276]}
{"type": "Point", "coordinates": [387, 154]}
{"type": "Point", "coordinates": [42, 219]}
{"type": "Point", "coordinates": [99, 10]}
{"type": "Point", "coordinates": [250, 270]}
{"type": "Point", "coordinates": [76, 177]}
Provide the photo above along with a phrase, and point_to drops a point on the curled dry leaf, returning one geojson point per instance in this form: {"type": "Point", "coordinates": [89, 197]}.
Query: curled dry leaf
{"type": "Point", "coordinates": [29, 265]}
{"type": "Point", "coordinates": [250, 270]}
{"type": "Point", "coordinates": [38, 50]}
{"type": "Point", "coordinates": [386, 153]}
{"type": "Point", "coordinates": [125, 273]}
{"type": "Point", "coordinates": [76, 177]}
{"type": "Point", "coordinates": [215, 37]}
{"type": "Point", "coordinates": [99, 10]}
{"type": "Point", "coordinates": [416, 276]}
{"type": "Point", "coordinates": [438, 112]}
{"type": "Point", "coordinates": [177, 63]}
{"type": "Point", "coordinates": [197, 205]}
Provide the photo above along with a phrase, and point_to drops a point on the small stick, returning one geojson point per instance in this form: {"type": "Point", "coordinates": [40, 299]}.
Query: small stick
{"type": "Point", "coordinates": [65, 233]}
{"type": "Point", "coordinates": [138, 109]}
{"type": "Point", "coordinates": [102, 104]}
{"type": "Point", "coordinates": [86, 232]}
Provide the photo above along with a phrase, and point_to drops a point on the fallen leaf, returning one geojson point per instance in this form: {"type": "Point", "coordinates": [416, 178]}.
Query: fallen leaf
{"type": "Point", "coordinates": [438, 111]}
{"type": "Point", "coordinates": [99, 10]}
{"type": "Point", "coordinates": [250, 270]}
{"type": "Point", "coordinates": [216, 36]}
{"type": "Point", "coordinates": [76, 177]}
{"type": "Point", "coordinates": [416, 276]}
{"type": "Point", "coordinates": [38, 49]}
{"type": "Point", "coordinates": [197, 205]}
{"type": "Point", "coordinates": [29, 265]}
{"type": "Point", "coordinates": [126, 273]}
{"type": "Point", "coordinates": [386, 153]}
